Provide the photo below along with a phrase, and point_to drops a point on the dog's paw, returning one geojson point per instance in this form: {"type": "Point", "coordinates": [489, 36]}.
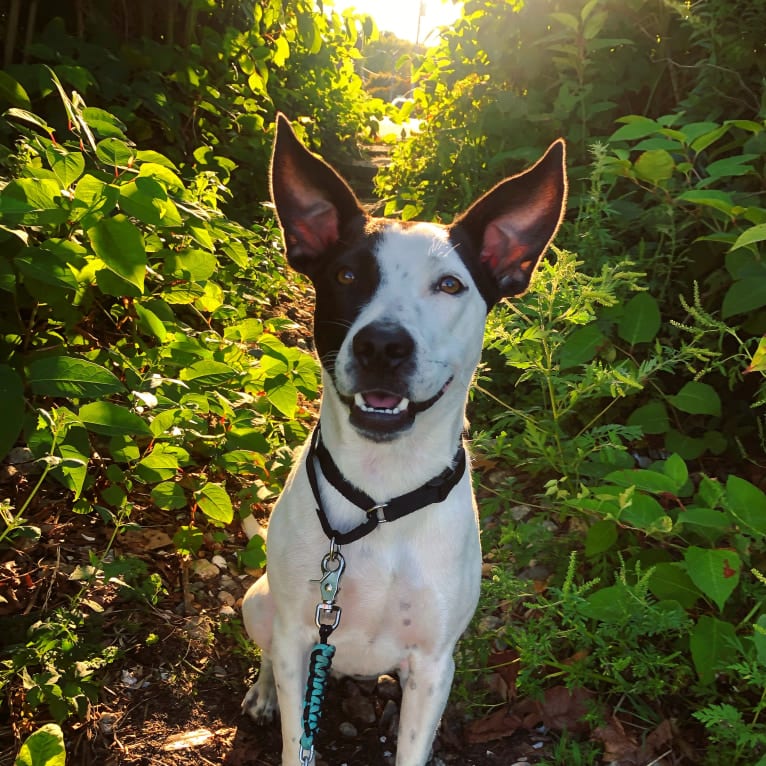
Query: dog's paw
{"type": "Point", "coordinates": [260, 702]}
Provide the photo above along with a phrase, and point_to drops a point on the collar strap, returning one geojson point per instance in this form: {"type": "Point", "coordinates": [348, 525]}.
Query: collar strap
{"type": "Point", "coordinates": [433, 491]}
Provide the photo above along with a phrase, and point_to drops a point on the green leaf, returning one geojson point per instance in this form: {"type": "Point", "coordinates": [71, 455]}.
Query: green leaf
{"type": "Point", "coordinates": [744, 296]}
{"type": "Point", "coordinates": [758, 362]}
{"type": "Point", "coordinates": [669, 581]}
{"type": "Point", "coordinates": [697, 399]}
{"type": "Point", "coordinates": [44, 747]}
{"type": "Point", "coordinates": [747, 503]}
{"type": "Point", "coordinates": [104, 123]}
{"type": "Point", "coordinates": [93, 196]}
{"type": "Point", "coordinates": [646, 513]}
{"type": "Point", "coordinates": [118, 243]}
{"type": "Point", "coordinates": [254, 554]}
{"type": "Point", "coordinates": [655, 166]}
{"type": "Point", "coordinates": [730, 167]}
{"type": "Point", "coordinates": [169, 496]}
{"type": "Point", "coordinates": [197, 265]}
{"type": "Point", "coordinates": [150, 323]}
{"type": "Point", "coordinates": [215, 503]}
{"type": "Point", "coordinates": [32, 119]}
{"type": "Point", "coordinates": [188, 540]}
{"type": "Point", "coordinates": [33, 202]}
{"type": "Point", "coordinates": [67, 166]}
{"type": "Point", "coordinates": [710, 524]}
{"type": "Point", "coordinates": [688, 447]}
{"type": "Point", "coordinates": [75, 454]}
{"type": "Point", "coordinates": [11, 92]}
{"type": "Point", "coordinates": [241, 462]}
{"type": "Point", "coordinates": [146, 200]}
{"type": "Point", "coordinates": [750, 236]}
{"type": "Point", "coordinates": [719, 200]}
{"type": "Point", "coordinates": [581, 346]}
{"type": "Point", "coordinates": [641, 321]}
{"type": "Point", "coordinates": [208, 372]}
{"type": "Point", "coordinates": [283, 394]}
{"type": "Point", "coordinates": [714, 571]}
{"type": "Point", "coordinates": [160, 464]}
{"type": "Point", "coordinates": [164, 175]}
{"type": "Point", "coordinates": [637, 127]}
{"type": "Point", "coordinates": [675, 468]}
{"type": "Point", "coordinates": [652, 418]}
{"type": "Point", "coordinates": [611, 604]}
{"type": "Point", "coordinates": [12, 397]}
{"type": "Point", "coordinates": [110, 419]}
{"type": "Point", "coordinates": [115, 153]}
{"type": "Point", "coordinates": [712, 647]}
{"type": "Point", "coordinates": [759, 639]}
{"type": "Point", "coordinates": [641, 478]}
{"type": "Point", "coordinates": [601, 536]}
{"type": "Point", "coordinates": [72, 378]}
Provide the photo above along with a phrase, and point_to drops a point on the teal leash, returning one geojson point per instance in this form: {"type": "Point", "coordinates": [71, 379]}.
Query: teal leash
{"type": "Point", "coordinates": [327, 618]}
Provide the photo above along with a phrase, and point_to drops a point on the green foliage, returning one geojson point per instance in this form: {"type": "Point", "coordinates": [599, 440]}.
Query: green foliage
{"type": "Point", "coordinates": [58, 664]}
{"type": "Point", "coordinates": [133, 325]}
{"type": "Point", "coordinates": [204, 83]}
{"type": "Point", "coordinates": [44, 747]}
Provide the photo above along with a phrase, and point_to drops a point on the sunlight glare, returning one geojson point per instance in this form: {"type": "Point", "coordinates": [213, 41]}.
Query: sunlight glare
{"type": "Point", "coordinates": [401, 16]}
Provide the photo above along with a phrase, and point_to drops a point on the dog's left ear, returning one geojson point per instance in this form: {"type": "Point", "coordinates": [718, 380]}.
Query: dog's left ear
{"type": "Point", "coordinates": [512, 225]}
{"type": "Point", "coordinates": [314, 204]}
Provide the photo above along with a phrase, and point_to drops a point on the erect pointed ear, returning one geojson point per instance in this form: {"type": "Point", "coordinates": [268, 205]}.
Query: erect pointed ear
{"type": "Point", "coordinates": [314, 204]}
{"type": "Point", "coordinates": [511, 226]}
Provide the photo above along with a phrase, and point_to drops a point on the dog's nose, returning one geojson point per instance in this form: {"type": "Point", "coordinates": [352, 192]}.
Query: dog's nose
{"type": "Point", "coordinates": [382, 346]}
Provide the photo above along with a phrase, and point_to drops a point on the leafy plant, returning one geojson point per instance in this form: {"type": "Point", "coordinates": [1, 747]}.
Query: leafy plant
{"type": "Point", "coordinates": [44, 747]}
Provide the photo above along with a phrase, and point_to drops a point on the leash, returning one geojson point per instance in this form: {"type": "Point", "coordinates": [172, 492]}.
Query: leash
{"type": "Point", "coordinates": [327, 615]}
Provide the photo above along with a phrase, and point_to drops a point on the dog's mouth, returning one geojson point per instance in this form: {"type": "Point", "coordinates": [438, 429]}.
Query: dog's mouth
{"type": "Point", "coordinates": [382, 414]}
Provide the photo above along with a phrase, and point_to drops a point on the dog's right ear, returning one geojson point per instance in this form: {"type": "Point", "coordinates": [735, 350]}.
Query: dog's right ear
{"type": "Point", "coordinates": [314, 204]}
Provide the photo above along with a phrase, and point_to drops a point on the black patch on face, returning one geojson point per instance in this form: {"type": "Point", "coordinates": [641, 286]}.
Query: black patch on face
{"type": "Point", "coordinates": [469, 255]}
{"type": "Point", "coordinates": [337, 304]}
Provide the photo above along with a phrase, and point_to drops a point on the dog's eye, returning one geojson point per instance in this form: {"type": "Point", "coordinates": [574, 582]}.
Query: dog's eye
{"type": "Point", "coordinates": [346, 276]}
{"type": "Point", "coordinates": [450, 285]}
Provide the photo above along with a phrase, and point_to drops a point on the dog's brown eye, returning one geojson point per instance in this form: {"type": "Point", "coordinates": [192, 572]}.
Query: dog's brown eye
{"type": "Point", "coordinates": [345, 276]}
{"type": "Point", "coordinates": [450, 285]}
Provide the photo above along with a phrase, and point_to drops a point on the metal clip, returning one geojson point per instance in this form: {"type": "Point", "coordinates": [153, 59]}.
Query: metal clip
{"type": "Point", "coordinates": [326, 610]}
{"type": "Point", "coordinates": [329, 585]}
{"type": "Point", "coordinates": [306, 755]}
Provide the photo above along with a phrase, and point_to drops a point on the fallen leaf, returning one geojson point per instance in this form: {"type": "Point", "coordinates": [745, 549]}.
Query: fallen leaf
{"type": "Point", "coordinates": [146, 539]}
{"type": "Point", "coordinates": [618, 746]}
{"type": "Point", "coordinates": [187, 739]}
{"type": "Point", "coordinates": [501, 723]}
{"type": "Point", "coordinates": [560, 709]}
{"type": "Point", "coordinates": [506, 666]}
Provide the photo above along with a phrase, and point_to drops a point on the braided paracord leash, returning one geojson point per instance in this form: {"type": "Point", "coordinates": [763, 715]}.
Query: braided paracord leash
{"type": "Point", "coordinates": [327, 619]}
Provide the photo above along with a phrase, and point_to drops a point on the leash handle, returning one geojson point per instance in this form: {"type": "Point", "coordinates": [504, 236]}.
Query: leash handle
{"type": "Point", "coordinates": [319, 672]}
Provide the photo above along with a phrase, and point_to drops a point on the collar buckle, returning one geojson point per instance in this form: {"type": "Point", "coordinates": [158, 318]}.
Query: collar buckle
{"type": "Point", "coordinates": [379, 512]}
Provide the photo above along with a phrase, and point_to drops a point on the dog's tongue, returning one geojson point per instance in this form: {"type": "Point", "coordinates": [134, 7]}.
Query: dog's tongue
{"type": "Point", "coordinates": [381, 400]}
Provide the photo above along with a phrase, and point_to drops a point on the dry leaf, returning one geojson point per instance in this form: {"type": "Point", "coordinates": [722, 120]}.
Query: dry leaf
{"type": "Point", "coordinates": [501, 723]}
{"type": "Point", "coordinates": [187, 739]}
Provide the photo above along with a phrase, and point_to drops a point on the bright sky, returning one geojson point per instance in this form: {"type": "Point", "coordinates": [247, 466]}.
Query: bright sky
{"type": "Point", "coordinates": [401, 16]}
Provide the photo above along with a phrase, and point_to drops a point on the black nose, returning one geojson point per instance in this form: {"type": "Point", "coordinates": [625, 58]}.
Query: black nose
{"type": "Point", "coordinates": [382, 347]}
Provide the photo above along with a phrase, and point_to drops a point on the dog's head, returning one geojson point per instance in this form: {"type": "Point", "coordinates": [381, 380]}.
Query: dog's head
{"type": "Point", "coordinates": [400, 308]}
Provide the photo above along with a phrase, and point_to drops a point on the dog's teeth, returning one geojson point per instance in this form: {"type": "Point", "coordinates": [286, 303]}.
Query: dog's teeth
{"type": "Point", "coordinates": [359, 401]}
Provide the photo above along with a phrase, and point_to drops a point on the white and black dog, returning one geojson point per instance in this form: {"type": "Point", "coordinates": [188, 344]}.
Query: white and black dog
{"type": "Point", "coordinates": [398, 327]}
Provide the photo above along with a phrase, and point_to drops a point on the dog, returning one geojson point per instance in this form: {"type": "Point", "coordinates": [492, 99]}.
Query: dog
{"type": "Point", "coordinates": [398, 328]}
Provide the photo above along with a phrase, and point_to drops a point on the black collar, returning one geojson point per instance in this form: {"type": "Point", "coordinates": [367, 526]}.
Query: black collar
{"type": "Point", "coordinates": [434, 491]}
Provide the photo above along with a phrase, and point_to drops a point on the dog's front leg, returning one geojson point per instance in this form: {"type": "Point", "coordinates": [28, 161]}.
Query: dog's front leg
{"type": "Point", "coordinates": [290, 657]}
{"type": "Point", "coordinates": [426, 688]}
